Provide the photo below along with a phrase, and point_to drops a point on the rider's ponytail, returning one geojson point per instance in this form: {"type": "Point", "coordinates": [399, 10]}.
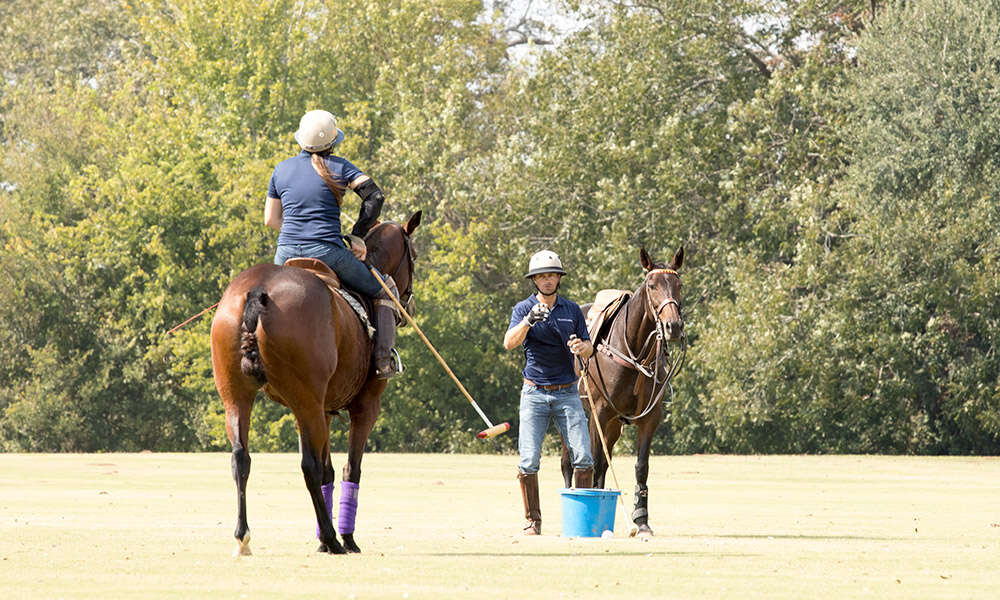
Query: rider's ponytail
{"type": "Point", "coordinates": [319, 164]}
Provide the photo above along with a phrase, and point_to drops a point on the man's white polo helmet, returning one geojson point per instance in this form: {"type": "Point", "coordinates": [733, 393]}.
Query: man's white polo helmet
{"type": "Point", "coordinates": [545, 261]}
{"type": "Point", "coordinates": [318, 131]}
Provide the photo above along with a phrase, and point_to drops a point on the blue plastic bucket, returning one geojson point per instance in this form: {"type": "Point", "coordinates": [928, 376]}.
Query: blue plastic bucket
{"type": "Point", "coordinates": [588, 512]}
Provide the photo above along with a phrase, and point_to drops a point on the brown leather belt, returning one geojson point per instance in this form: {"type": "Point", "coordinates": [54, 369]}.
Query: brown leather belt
{"type": "Point", "coordinates": [558, 386]}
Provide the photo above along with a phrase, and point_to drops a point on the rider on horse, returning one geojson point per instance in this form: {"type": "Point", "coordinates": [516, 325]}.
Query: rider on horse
{"type": "Point", "coordinates": [303, 202]}
{"type": "Point", "coordinates": [551, 329]}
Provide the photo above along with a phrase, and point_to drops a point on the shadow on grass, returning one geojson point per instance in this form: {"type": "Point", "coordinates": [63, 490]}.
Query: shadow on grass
{"type": "Point", "coordinates": [601, 553]}
{"type": "Point", "coordinates": [772, 536]}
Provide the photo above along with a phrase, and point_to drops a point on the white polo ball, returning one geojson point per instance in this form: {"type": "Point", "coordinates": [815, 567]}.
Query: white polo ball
{"type": "Point", "coordinates": [608, 534]}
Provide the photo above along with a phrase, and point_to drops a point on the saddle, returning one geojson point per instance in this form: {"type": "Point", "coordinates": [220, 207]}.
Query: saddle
{"type": "Point", "coordinates": [360, 304]}
{"type": "Point", "coordinates": [606, 305]}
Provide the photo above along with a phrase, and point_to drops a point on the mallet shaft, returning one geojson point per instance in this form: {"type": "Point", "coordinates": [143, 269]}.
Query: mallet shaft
{"type": "Point", "coordinates": [431, 346]}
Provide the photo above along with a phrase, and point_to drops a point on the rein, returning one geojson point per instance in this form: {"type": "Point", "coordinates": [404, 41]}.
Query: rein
{"type": "Point", "coordinates": [406, 297]}
{"type": "Point", "coordinates": [176, 327]}
{"type": "Point", "coordinates": [653, 359]}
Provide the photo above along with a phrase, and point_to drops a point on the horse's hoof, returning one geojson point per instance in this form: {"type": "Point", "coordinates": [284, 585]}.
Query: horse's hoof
{"type": "Point", "coordinates": [242, 547]}
{"type": "Point", "coordinates": [336, 548]}
{"type": "Point", "coordinates": [645, 532]}
{"type": "Point", "coordinates": [350, 545]}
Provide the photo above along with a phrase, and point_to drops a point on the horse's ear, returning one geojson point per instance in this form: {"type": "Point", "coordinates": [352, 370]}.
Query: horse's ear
{"type": "Point", "coordinates": [647, 262]}
{"type": "Point", "coordinates": [678, 259]}
{"type": "Point", "coordinates": [412, 223]}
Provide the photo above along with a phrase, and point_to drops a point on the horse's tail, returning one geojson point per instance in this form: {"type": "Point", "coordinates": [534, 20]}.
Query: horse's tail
{"type": "Point", "coordinates": [256, 304]}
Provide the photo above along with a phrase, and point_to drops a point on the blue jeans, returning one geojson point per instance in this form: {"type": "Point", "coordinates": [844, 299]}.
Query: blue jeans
{"type": "Point", "coordinates": [352, 272]}
{"type": "Point", "coordinates": [538, 406]}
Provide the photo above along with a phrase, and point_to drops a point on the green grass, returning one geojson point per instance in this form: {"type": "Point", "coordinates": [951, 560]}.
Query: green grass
{"type": "Point", "coordinates": [443, 526]}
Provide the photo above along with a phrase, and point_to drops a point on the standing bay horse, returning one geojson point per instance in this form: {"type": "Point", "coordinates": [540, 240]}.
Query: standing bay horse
{"type": "Point", "coordinates": [280, 328]}
{"type": "Point", "coordinates": [630, 371]}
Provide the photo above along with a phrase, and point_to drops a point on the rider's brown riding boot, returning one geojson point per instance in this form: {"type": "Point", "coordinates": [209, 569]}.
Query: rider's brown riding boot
{"type": "Point", "coordinates": [385, 333]}
{"type": "Point", "coordinates": [532, 510]}
{"type": "Point", "coordinates": [583, 478]}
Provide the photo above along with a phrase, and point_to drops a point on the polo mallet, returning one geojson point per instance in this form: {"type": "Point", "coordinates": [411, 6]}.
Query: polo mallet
{"type": "Point", "coordinates": [633, 530]}
{"type": "Point", "coordinates": [491, 429]}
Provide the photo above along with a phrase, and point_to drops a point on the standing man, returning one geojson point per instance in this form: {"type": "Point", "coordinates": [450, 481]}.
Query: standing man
{"type": "Point", "coordinates": [551, 329]}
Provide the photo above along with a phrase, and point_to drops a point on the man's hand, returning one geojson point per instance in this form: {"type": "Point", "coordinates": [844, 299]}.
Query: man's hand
{"type": "Point", "coordinates": [580, 347]}
{"type": "Point", "coordinates": [537, 314]}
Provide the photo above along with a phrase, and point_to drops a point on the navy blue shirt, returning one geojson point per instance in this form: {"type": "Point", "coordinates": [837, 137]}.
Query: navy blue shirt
{"type": "Point", "coordinates": [548, 360]}
{"type": "Point", "coordinates": [309, 210]}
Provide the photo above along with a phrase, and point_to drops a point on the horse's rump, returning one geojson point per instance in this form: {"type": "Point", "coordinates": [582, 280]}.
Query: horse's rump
{"type": "Point", "coordinates": [284, 318]}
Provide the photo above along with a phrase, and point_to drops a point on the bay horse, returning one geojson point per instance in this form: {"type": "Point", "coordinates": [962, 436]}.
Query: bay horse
{"type": "Point", "coordinates": [280, 328]}
{"type": "Point", "coordinates": [630, 372]}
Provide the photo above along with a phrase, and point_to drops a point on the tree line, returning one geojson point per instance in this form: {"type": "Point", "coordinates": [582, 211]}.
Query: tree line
{"type": "Point", "coordinates": [831, 168]}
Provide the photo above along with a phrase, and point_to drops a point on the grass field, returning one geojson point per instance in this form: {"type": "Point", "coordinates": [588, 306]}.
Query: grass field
{"type": "Point", "coordinates": [443, 526]}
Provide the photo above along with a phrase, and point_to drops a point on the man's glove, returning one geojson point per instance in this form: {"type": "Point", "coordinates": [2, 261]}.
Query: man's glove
{"type": "Point", "coordinates": [537, 314]}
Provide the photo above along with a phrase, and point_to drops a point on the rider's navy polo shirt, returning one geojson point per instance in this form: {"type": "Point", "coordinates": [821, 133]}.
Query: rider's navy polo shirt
{"type": "Point", "coordinates": [309, 210]}
{"type": "Point", "coordinates": [548, 359]}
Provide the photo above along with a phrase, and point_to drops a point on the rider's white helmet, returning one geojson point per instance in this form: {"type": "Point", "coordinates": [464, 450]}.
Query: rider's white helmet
{"type": "Point", "coordinates": [318, 131]}
{"type": "Point", "coordinates": [545, 261]}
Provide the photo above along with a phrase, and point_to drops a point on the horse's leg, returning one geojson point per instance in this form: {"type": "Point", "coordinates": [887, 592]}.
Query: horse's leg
{"type": "Point", "coordinates": [239, 403]}
{"type": "Point", "coordinates": [566, 464]}
{"type": "Point", "coordinates": [328, 479]}
{"type": "Point", "coordinates": [646, 428]}
{"type": "Point", "coordinates": [315, 441]}
{"type": "Point", "coordinates": [363, 410]}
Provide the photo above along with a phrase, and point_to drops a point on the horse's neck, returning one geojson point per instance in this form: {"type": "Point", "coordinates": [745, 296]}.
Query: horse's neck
{"type": "Point", "coordinates": [381, 259]}
{"type": "Point", "coordinates": [633, 328]}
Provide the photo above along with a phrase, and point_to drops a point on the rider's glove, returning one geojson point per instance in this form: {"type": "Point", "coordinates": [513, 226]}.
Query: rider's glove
{"type": "Point", "coordinates": [537, 314]}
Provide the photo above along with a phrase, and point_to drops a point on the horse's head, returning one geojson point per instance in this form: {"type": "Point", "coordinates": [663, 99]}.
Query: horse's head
{"type": "Point", "coordinates": [390, 251]}
{"type": "Point", "coordinates": [663, 294]}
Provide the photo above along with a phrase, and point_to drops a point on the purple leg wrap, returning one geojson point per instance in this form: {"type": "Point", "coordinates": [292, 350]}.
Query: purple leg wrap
{"type": "Point", "coordinates": [327, 489]}
{"type": "Point", "coordinates": [348, 507]}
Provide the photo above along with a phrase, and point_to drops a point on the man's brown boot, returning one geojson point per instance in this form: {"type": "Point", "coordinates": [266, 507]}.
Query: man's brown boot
{"type": "Point", "coordinates": [583, 478]}
{"type": "Point", "coordinates": [532, 510]}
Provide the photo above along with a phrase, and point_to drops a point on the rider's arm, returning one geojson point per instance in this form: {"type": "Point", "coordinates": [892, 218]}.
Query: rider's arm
{"type": "Point", "coordinates": [372, 200]}
{"type": "Point", "coordinates": [272, 213]}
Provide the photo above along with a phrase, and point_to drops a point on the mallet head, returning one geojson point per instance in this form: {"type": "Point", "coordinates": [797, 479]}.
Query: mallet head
{"type": "Point", "coordinates": [492, 431]}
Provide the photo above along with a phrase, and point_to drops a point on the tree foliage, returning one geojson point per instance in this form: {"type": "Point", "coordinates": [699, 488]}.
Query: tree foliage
{"type": "Point", "coordinates": [831, 172]}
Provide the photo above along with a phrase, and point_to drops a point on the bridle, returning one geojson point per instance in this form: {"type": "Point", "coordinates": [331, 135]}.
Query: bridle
{"type": "Point", "coordinates": [653, 358]}
{"type": "Point", "coordinates": [406, 298]}
{"type": "Point", "coordinates": [655, 312]}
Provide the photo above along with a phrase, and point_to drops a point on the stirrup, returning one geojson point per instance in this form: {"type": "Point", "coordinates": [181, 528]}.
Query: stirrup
{"type": "Point", "coordinates": [395, 366]}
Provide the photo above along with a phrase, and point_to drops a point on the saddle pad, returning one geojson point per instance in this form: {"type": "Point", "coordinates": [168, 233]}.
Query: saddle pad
{"type": "Point", "coordinates": [327, 276]}
{"type": "Point", "coordinates": [362, 314]}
